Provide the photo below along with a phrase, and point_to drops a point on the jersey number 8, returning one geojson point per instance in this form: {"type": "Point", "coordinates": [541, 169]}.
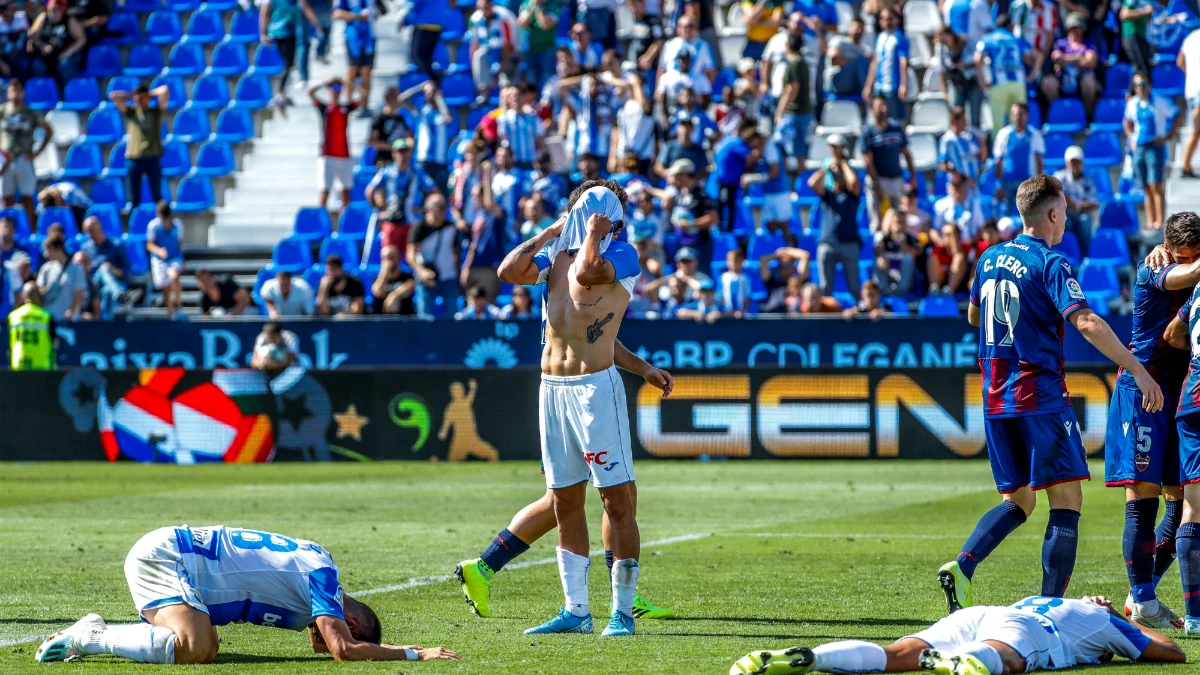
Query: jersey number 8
{"type": "Point", "coordinates": [1001, 304]}
{"type": "Point", "coordinates": [254, 540]}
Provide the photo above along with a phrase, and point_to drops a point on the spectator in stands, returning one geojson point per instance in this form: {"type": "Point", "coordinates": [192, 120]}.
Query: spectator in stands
{"type": "Point", "coordinates": [703, 63]}
{"type": "Point", "coordinates": [93, 17]}
{"type": "Point", "coordinates": [487, 241]}
{"type": "Point", "coordinates": [1188, 61]}
{"type": "Point", "coordinates": [647, 40]}
{"type": "Point", "coordinates": [359, 17]}
{"type": "Point", "coordinates": [776, 188]}
{"type": "Point", "coordinates": [8, 240]}
{"type": "Point", "coordinates": [89, 310]}
{"type": "Point", "coordinates": [989, 236]}
{"type": "Point", "coordinates": [957, 71]}
{"type": "Point", "coordinates": [19, 272]}
{"type": "Point", "coordinates": [959, 150]}
{"type": "Point", "coordinates": [599, 17]}
{"type": "Point", "coordinates": [61, 282]}
{"type": "Point", "coordinates": [809, 299]}
{"type": "Point", "coordinates": [836, 185]}
{"type": "Point", "coordinates": [762, 18]}
{"type": "Point", "coordinates": [428, 19]}
{"type": "Point", "coordinates": [593, 107]}
{"type": "Point", "coordinates": [551, 93]}
{"type": "Point", "coordinates": [433, 135]}
{"type": "Point", "coordinates": [733, 293]}
{"type": "Point", "coordinates": [108, 268]}
{"type": "Point", "coordinates": [394, 286]}
{"type": "Point", "coordinates": [68, 194]}
{"type": "Point", "coordinates": [14, 31]}
{"type": "Point", "coordinates": [18, 124]}
{"type": "Point", "coordinates": [688, 107]}
{"type": "Point", "coordinates": [636, 128]}
{"type": "Point", "coordinates": [320, 32]}
{"type": "Point", "coordinates": [143, 137]}
{"type": "Point", "coordinates": [520, 130]}
{"type": "Point", "coordinates": [433, 254]}
{"type": "Point", "coordinates": [846, 66]}
{"type": "Point", "coordinates": [280, 24]}
{"type": "Point", "coordinates": [870, 302]}
{"type": "Point", "coordinates": [883, 143]}
{"type": "Point", "coordinates": [587, 54]}
{"type": "Point", "coordinates": [467, 172]}
{"type": "Point", "coordinates": [55, 42]}
{"type": "Point", "coordinates": [1148, 123]}
{"type": "Point", "coordinates": [948, 262]}
{"type": "Point", "coordinates": [163, 235]}
{"type": "Point", "coordinates": [687, 274]}
{"type": "Point", "coordinates": [539, 18]}
{"type": "Point", "coordinates": [552, 186]}
{"type": "Point", "coordinates": [286, 295]}
{"type": "Point", "coordinates": [336, 165]}
{"type": "Point", "coordinates": [704, 306]}
{"type": "Point", "coordinates": [734, 159]}
{"type": "Point", "coordinates": [959, 206]}
{"type": "Point", "coordinates": [397, 191]}
{"type": "Point", "coordinates": [778, 268]}
{"type": "Point", "coordinates": [915, 217]}
{"type": "Point", "coordinates": [895, 256]}
{"type": "Point", "coordinates": [509, 186]}
{"type": "Point", "coordinates": [589, 169]}
{"type": "Point", "coordinates": [682, 146]}
{"type": "Point", "coordinates": [390, 125]}
{"type": "Point", "coordinates": [1082, 197]}
{"type": "Point", "coordinates": [690, 211]}
{"type": "Point", "coordinates": [794, 112]}
{"type": "Point", "coordinates": [339, 292]}
{"type": "Point", "coordinates": [774, 60]}
{"type": "Point", "coordinates": [969, 19]}
{"type": "Point", "coordinates": [1135, 18]}
{"type": "Point", "coordinates": [1012, 64]}
{"type": "Point", "coordinates": [221, 296]}
{"type": "Point", "coordinates": [1019, 151]}
{"type": "Point", "coordinates": [888, 76]}
{"type": "Point", "coordinates": [1036, 22]}
{"type": "Point", "coordinates": [478, 306]}
{"type": "Point", "coordinates": [521, 307]}
{"type": "Point", "coordinates": [284, 354]}
{"type": "Point", "coordinates": [1075, 61]}
{"type": "Point", "coordinates": [493, 43]}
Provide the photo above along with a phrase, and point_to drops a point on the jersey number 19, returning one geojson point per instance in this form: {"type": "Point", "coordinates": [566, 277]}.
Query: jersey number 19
{"type": "Point", "coordinates": [1001, 305]}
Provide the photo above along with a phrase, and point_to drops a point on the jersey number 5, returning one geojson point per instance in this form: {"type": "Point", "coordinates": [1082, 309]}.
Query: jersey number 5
{"type": "Point", "coordinates": [1001, 305]}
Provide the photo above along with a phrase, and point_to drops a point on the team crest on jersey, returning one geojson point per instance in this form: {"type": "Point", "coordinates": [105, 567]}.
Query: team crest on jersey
{"type": "Point", "coordinates": [1142, 462]}
{"type": "Point", "coordinates": [338, 596]}
{"type": "Point", "coordinates": [1074, 290]}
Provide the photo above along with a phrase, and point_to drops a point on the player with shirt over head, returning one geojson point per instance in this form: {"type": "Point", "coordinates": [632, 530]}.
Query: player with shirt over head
{"type": "Point", "coordinates": [583, 414]}
{"type": "Point", "coordinates": [185, 580]}
{"type": "Point", "coordinates": [1037, 633]}
{"type": "Point", "coordinates": [1022, 295]}
{"type": "Point", "coordinates": [1142, 448]}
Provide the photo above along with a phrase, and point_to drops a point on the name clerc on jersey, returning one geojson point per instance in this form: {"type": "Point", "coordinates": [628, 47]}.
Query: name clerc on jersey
{"type": "Point", "coordinates": [1007, 262]}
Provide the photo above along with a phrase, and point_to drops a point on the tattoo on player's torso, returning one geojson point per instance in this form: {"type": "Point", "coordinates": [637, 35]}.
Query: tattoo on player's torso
{"type": "Point", "coordinates": [589, 304]}
{"type": "Point", "coordinates": [595, 330]}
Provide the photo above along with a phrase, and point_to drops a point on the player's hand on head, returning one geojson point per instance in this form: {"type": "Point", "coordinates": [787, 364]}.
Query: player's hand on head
{"type": "Point", "coordinates": [599, 223]}
{"type": "Point", "coordinates": [1159, 258]}
{"type": "Point", "coordinates": [557, 228]}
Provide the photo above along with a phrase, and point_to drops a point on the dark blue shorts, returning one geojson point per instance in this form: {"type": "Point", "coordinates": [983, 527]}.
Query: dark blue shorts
{"type": "Point", "coordinates": [1036, 450]}
{"type": "Point", "coordinates": [1140, 446]}
{"type": "Point", "coordinates": [1189, 448]}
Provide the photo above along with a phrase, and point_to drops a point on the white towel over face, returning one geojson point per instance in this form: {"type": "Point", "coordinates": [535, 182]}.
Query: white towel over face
{"type": "Point", "coordinates": [597, 200]}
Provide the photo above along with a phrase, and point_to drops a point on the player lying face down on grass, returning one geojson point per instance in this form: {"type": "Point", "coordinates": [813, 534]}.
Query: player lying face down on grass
{"type": "Point", "coordinates": [186, 580]}
{"type": "Point", "coordinates": [1037, 633]}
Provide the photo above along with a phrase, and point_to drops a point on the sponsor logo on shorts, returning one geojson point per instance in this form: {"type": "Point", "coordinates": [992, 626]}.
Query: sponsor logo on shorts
{"type": "Point", "coordinates": [597, 458]}
{"type": "Point", "coordinates": [1125, 428]}
{"type": "Point", "coordinates": [1142, 462]}
{"type": "Point", "coordinates": [610, 467]}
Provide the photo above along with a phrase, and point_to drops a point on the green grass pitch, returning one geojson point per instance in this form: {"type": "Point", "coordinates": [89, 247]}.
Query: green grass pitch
{"type": "Point", "coordinates": [783, 553]}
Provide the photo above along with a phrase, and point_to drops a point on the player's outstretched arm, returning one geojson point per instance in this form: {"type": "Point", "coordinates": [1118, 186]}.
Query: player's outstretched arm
{"type": "Point", "coordinates": [1161, 649]}
{"type": "Point", "coordinates": [655, 377]}
{"type": "Point", "coordinates": [1097, 331]}
{"type": "Point", "coordinates": [518, 266]}
{"type": "Point", "coordinates": [334, 637]}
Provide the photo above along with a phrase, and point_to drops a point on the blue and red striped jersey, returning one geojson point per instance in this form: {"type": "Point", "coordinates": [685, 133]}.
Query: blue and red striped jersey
{"type": "Point", "coordinates": [1153, 308]}
{"type": "Point", "coordinates": [1024, 291]}
{"type": "Point", "coordinates": [1189, 398]}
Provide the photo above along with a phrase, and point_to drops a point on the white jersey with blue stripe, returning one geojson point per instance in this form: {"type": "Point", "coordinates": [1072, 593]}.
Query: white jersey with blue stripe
{"type": "Point", "coordinates": [889, 49]}
{"type": "Point", "coordinates": [961, 151]}
{"type": "Point", "coordinates": [433, 136]}
{"type": "Point", "coordinates": [594, 118]}
{"type": "Point", "coordinates": [1082, 632]}
{"type": "Point", "coordinates": [247, 576]}
{"type": "Point", "coordinates": [521, 131]}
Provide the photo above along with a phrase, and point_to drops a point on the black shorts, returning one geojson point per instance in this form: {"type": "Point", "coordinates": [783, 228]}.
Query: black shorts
{"type": "Point", "coordinates": [364, 60]}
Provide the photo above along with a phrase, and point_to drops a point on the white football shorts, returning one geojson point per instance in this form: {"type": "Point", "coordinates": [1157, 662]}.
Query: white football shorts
{"type": "Point", "coordinates": [155, 573]}
{"type": "Point", "coordinates": [1017, 629]}
{"type": "Point", "coordinates": [777, 208]}
{"type": "Point", "coordinates": [584, 425]}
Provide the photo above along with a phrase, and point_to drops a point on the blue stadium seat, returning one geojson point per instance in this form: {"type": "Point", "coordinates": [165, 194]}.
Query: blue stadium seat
{"type": "Point", "coordinates": [312, 275]}
{"type": "Point", "coordinates": [1119, 215]}
{"type": "Point", "coordinates": [190, 126]}
{"type": "Point", "coordinates": [234, 125]}
{"type": "Point", "coordinates": [83, 161]}
{"type": "Point", "coordinates": [207, 27]}
{"type": "Point", "coordinates": [215, 159]}
{"type": "Point", "coordinates": [412, 78]}
{"type": "Point", "coordinates": [939, 306]}
{"type": "Point", "coordinates": [725, 76]}
{"type": "Point", "coordinates": [267, 61]}
{"type": "Point", "coordinates": [163, 28]}
{"type": "Point", "coordinates": [41, 93]}
{"type": "Point", "coordinates": [1057, 144]}
{"type": "Point", "coordinates": [139, 259]}
{"type": "Point", "coordinates": [195, 194]}
{"type": "Point", "coordinates": [1103, 149]}
{"type": "Point", "coordinates": [121, 83]}
{"type": "Point", "coordinates": [805, 197]}
{"type": "Point", "coordinates": [369, 153]}
{"type": "Point", "coordinates": [184, 5]}
{"type": "Point", "coordinates": [1066, 115]}
{"type": "Point", "coordinates": [144, 61]}
{"type": "Point", "coordinates": [455, 26]}
{"type": "Point", "coordinates": [140, 219]}
{"type": "Point", "coordinates": [244, 27]}
{"type": "Point", "coordinates": [124, 28]}
{"type": "Point", "coordinates": [370, 266]}
{"type": "Point", "coordinates": [355, 220]}
{"type": "Point", "coordinates": [763, 243]}
{"type": "Point", "coordinates": [110, 220]}
{"type": "Point", "coordinates": [210, 92]}
{"type": "Point", "coordinates": [347, 247]}
{"type": "Point", "coordinates": [116, 161]}
{"type": "Point", "coordinates": [186, 60]}
{"type": "Point", "coordinates": [1104, 188]}
{"type": "Point", "coordinates": [312, 224]}
{"type": "Point", "coordinates": [103, 61]}
{"type": "Point", "coordinates": [264, 275]}
{"type": "Point", "coordinates": [458, 89]}
{"type": "Point", "coordinates": [1116, 81]}
{"type": "Point", "coordinates": [58, 214]}
{"type": "Point", "coordinates": [475, 116]}
{"type": "Point", "coordinates": [462, 57]}
{"type": "Point", "coordinates": [253, 92]}
{"type": "Point", "coordinates": [144, 6]}
{"type": "Point", "coordinates": [177, 98]}
{"type": "Point", "coordinates": [176, 161]}
{"type": "Point", "coordinates": [292, 255]}
{"type": "Point", "coordinates": [20, 219]}
{"type": "Point", "coordinates": [1168, 80]}
{"type": "Point", "coordinates": [220, 5]}
{"type": "Point", "coordinates": [1110, 115]}
{"type": "Point", "coordinates": [145, 197]}
{"type": "Point", "coordinates": [1099, 283]}
{"type": "Point", "coordinates": [1109, 247]}
{"type": "Point", "coordinates": [109, 190]}
{"type": "Point", "coordinates": [81, 94]}
{"type": "Point", "coordinates": [441, 57]}
{"type": "Point", "coordinates": [359, 192]}
{"type": "Point", "coordinates": [1130, 191]}
{"type": "Point", "coordinates": [229, 58]}
{"type": "Point", "coordinates": [1069, 248]}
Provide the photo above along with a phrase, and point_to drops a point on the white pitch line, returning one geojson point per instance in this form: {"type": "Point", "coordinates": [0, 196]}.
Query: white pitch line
{"type": "Point", "coordinates": [882, 535]}
{"type": "Point", "coordinates": [416, 582]}
{"type": "Point", "coordinates": [22, 640]}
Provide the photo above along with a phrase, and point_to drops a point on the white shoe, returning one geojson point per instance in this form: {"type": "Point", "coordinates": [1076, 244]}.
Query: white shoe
{"type": "Point", "coordinates": [1192, 627]}
{"type": "Point", "coordinates": [1164, 619]}
{"type": "Point", "coordinates": [65, 644]}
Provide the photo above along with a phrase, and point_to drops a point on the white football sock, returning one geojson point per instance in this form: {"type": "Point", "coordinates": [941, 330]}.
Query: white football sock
{"type": "Point", "coordinates": [1148, 608]}
{"type": "Point", "coordinates": [850, 656]}
{"type": "Point", "coordinates": [986, 654]}
{"type": "Point", "coordinates": [573, 569]}
{"type": "Point", "coordinates": [138, 642]}
{"type": "Point", "coordinates": [624, 584]}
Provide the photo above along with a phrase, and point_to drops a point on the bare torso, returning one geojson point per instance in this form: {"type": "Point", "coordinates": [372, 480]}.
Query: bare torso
{"type": "Point", "coordinates": [582, 322]}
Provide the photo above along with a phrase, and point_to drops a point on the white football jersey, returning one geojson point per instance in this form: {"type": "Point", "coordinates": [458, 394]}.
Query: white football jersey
{"type": "Point", "coordinates": [248, 576]}
{"type": "Point", "coordinates": [1081, 632]}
